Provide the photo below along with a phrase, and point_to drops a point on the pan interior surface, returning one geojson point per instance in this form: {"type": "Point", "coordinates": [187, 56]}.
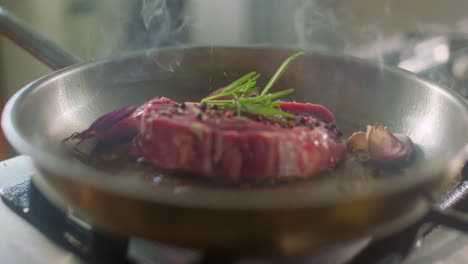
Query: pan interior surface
{"type": "Point", "coordinates": [51, 109]}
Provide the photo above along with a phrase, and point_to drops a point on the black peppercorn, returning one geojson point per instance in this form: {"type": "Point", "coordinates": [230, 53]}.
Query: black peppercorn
{"type": "Point", "coordinates": [199, 116]}
{"type": "Point", "coordinates": [203, 107]}
{"type": "Point", "coordinates": [183, 106]}
{"type": "Point", "coordinates": [302, 120]}
{"type": "Point", "coordinates": [331, 126]}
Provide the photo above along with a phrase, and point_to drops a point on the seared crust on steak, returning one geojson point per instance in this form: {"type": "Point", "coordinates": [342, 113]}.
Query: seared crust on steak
{"type": "Point", "coordinates": [213, 142]}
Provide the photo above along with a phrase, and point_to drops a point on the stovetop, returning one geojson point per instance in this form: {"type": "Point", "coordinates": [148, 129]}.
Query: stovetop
{"type": "Point", "coordinates": [20, 242]}
{"type": "Point", "coordinates": [51, 238]}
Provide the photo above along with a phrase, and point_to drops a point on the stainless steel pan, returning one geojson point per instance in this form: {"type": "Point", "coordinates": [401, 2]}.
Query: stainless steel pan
{"type": "Point", "coordinates": [288, 220]}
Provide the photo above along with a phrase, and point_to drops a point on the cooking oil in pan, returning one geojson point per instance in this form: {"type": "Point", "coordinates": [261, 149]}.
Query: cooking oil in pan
{"type": "Point", "coordinates": [351, 175]}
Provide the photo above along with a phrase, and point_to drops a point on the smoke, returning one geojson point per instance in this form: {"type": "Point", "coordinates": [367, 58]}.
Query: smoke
{"type": "Point", "coordinates": [143, 26]}
{"type": "Point", "coordinates": [152, 9]}
{"type": "Point", "coordinates": [160, 23]}
{"type": "Point", "coordinates": [316, 25]}
{"type": "Point", "coordinates": [376, 43]}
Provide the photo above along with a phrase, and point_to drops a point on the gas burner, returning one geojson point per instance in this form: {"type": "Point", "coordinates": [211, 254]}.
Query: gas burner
{"type": "Point", "coordinates": [93, 246]}
{"type": "Point", "coordinates": [64, 229]}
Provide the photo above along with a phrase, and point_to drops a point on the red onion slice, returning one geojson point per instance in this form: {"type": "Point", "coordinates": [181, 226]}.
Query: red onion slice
{"type": "Point", "coordinates": [105, 123]}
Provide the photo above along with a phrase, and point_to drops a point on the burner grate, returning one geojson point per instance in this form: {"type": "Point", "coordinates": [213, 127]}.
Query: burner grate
{"type": "Point", "coordinates": [96, 247]}
{"type": "Point", "coordinates": [92, 246]}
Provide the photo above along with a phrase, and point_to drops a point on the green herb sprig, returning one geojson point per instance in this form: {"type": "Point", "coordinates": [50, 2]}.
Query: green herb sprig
{"type": "Point", "coordinates": [264, 104]}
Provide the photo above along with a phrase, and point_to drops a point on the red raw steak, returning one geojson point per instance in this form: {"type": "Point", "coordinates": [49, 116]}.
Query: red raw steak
{"type": "Point", "coordinates": [215, 143]}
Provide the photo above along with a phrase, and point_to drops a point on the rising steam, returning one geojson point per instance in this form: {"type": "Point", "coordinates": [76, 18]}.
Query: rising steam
{"type": "Point", "coordinates": [152, 9]}
{"type": "Point", "coordinates": [162, 22]}
{"type": "Point", "coordinates": [163, 25]}
{"type": "Point", "coordinates": [316, 26]}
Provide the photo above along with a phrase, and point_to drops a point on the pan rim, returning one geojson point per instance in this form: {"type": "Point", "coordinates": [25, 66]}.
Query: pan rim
{"type": "Point", "coordinates": [202, 198]}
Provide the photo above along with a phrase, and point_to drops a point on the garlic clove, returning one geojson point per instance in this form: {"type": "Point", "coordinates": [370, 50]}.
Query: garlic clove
{"type": "Point", "coordinates": [357, 142]}
{"type": "Point", "coordinates": [384, 146]}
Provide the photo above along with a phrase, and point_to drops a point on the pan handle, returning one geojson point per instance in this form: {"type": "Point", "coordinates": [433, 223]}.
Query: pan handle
{"type": "Point", "coordinates": [45, 50]}
{"type": "Point", "coordinates": [448, 217]}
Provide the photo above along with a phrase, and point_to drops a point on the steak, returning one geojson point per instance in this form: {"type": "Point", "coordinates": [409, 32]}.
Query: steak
{"type": "Point", "coordinates": [214, 142]}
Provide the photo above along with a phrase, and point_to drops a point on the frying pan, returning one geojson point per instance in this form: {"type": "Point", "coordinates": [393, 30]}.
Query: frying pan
{"type": "Point", "coordinates": [293, 219]}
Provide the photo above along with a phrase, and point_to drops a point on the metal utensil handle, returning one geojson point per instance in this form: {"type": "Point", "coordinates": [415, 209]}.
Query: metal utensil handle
{"type": "Point", "coordinates": [45, 50]}
{"type": "Point", "coordinates": [451, 217]}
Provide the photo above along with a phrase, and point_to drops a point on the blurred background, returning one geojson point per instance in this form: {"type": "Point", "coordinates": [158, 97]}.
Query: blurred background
{"type": "Point", "coordinates": [373, 29]}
